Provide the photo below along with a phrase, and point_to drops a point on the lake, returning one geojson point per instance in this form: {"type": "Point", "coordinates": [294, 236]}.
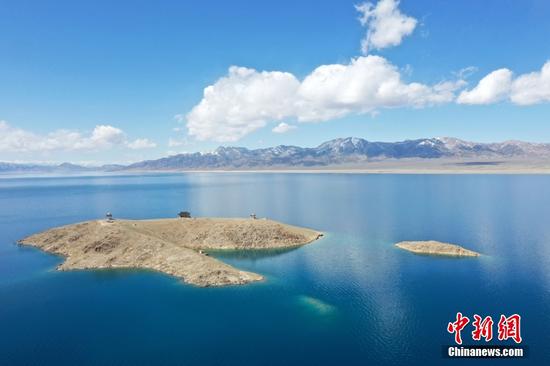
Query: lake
{"type": "Point", "coordinates": [351, 298]}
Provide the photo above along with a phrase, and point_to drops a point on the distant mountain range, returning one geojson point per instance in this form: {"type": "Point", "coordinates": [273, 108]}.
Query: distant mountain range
{"type": "Point", "coordinates": [349, 151]}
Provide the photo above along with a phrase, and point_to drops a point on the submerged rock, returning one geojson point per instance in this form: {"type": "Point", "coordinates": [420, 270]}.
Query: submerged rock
{"type": "Point", "coordinates": [316, 304]}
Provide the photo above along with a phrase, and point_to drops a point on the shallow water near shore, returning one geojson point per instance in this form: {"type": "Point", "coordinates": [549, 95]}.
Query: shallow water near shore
{"type": "Point", "coordinates": [351, 298]}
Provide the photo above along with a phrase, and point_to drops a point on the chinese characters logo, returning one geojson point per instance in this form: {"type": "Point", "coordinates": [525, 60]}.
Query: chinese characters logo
{"type": "Point", "coordinates": [507, 327]}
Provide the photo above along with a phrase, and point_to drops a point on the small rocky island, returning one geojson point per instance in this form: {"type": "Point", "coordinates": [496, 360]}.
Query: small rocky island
{"type": "Point", "coordinates": [173, 246]}
{"type": "Point", "coordinates": [432, 247]}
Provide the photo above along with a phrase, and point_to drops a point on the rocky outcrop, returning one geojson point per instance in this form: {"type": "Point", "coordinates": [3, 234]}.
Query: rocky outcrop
{"type": "Point", "coordinates": [432, 247]}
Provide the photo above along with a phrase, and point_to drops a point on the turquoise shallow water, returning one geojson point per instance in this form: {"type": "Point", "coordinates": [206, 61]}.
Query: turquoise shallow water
{"type": "Point", "coordinates": [349, 299]}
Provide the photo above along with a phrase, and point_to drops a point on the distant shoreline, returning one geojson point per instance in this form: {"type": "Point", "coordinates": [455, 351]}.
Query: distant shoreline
{"type": "Point", "coordinates": [352, 171]}
{"type": "Point", "coordinates": [285, 171]}
{"type": "Point", "coordinates": [390, 166]}
{"type": "Point", "coordinates": [397, 166]}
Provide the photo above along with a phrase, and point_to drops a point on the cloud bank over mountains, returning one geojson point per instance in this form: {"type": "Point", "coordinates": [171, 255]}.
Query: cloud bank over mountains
{"type": "Point", "coordinates": [246, 99]}
{"type": "Point", "coordinates": [14, 139]}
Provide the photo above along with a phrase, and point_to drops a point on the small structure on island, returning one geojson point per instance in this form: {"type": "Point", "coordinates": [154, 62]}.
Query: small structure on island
{"type": "Point", "coordinates": [253, 216]}
{"type": "Point", "coordinates": [109, 217]}
{"type": "Point", "coordinates": [184, 214]}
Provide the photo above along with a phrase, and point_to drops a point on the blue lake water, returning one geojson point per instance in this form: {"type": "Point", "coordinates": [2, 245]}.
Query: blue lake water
{"type": "Point", "coordinates": [351, 298]}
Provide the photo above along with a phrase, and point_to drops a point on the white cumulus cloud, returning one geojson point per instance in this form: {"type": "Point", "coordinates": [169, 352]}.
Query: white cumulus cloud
{"type": "Point", "coordinates": [138, 144]}
{"type": "Point", "coordinates": [364, 85]}
{"type": "Point", "coordinates": [491, 89]}
{"type": "Point", "coordinates": [386, 25]}
{"type": "Point", "coordinates": [13, 139]}
{"type": "Point", "coordinates": [104, 136]}
{"type": "Point", "coordinates": [532, 88]}
{"type": "Point", "coordinates": [242, 102]}
{"type": "Point", "coordinates": [283, 127]}
{"type": "Point", "coordinates": [246, 100]}
{"type": "Point", "coordinates": [499, 85]}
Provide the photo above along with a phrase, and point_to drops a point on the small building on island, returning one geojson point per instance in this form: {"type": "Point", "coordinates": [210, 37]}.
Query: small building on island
{"type": "Point", "coordinates": [184, 214]}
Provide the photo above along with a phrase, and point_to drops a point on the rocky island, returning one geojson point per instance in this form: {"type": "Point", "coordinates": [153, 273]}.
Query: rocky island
{"type": "Point", "coordinates": [432, 247]}
{"type": "Point", "coordinates": [173, 246]}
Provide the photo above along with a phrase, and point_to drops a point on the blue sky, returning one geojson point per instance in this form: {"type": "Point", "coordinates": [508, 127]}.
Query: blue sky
{"type": "Point", "coordinates": [67, 67]}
